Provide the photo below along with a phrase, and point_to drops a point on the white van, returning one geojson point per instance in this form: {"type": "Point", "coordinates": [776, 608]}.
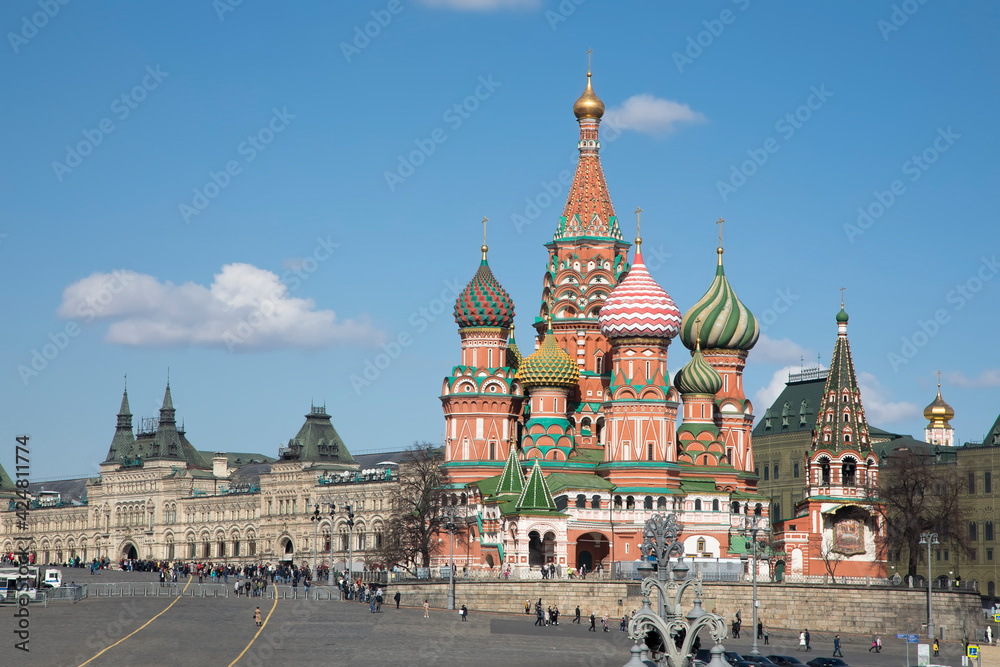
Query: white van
{"type": "Point", "coordinates": [53, 578]}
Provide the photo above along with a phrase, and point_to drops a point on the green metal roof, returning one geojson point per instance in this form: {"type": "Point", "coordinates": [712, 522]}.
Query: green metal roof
{"type": "Point", "coordinates": [559, 481]}
{"type": "Point", "coordinates": [536, 495]}
{"type": "Point", "coordinates": [512, 478]}
{"type": "Point", "coordinates": [317, 441]}
{"type": "Point", "coordinates": [696, 486]}
{"type": "Point", "coordinates": [794, 410]}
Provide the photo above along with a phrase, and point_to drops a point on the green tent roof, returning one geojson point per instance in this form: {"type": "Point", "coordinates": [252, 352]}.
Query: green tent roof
{"type": "Point", "coordinates": [536, 495]}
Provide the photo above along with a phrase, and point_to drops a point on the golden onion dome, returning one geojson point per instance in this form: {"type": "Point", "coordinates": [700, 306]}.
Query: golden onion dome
{"type": "Point", "coordinates": [588, 105]}
{"type": "Point", "coordinates": [938, 413]}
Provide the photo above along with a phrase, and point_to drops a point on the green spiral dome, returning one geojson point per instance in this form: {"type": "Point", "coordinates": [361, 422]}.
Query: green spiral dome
{"type": "Point", "coordinates": [725, 322]}
{"type": "Point", "coordinates": [697, 376]}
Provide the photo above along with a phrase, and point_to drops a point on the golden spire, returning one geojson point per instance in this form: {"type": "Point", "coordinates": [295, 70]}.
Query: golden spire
{"type": "Point", "coordinates": [842, 289]}
{"type": "Point", "coordinates": [638, 230]}
{"type": "Point", "coordinates": [719, 249]}
{"type": "Point", "coordinates": [589, 105]}
{"type": "Point", "coordinates": [484, 248]}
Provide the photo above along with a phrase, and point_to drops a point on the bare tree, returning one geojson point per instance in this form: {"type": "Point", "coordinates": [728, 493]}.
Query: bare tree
{"type": "Point", "coordinates": [416, 502]}
{"type": "Point", "coordinates": [917, 494]}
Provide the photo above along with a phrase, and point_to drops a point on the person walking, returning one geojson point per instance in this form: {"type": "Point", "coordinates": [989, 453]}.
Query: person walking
{"type": "Point", "coordinates": [802, 641]}
{"type": "Point", "coordinates": [527, 606]}
{"type": "Point", "coordinates": [760, 629]}
{"type": "Point", "coordinates": [878, 643]}
{"type": "Point", "coordinates": [396, 598]}
{"type": "Point", "coordinates": [604, 621]}
{"type": "Point", "coordinates": [808, 647]}
{"type": "Point", "coordinates": [593, 621]}
{"type": "Point", "coordinates": [624, 624]}
{"type": "Point", "coordinates": [427, 609]}
{"type": "Point", "coordinates": [576, 619]}
{"type": "Point", "coordinates": [256, 617]}
{"type": "Point", "coordinates": [936, 647]}
{"type": "Point", "coordinates": [836, 647]}
{"type": "Point", "coordinates": [767, 636]}
{"type": "Point", "coordinates": [539, 615]}
{"type": "Point", "coordinates": [465, 613]}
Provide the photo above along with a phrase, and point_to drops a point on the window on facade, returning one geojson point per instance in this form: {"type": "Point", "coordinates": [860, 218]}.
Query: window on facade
{"type": "Point", "coordinates": [191, 551]}
{"type": "Point", "coordinates": [734, 507]}
{"type": "Point", "coordinates": [988, 530]}
{"type": "Point", "coordinates": [595, 503]}
{"type": "Point", "coordinates": [775, 512]}
{"type": "Point", "coordinates": [236, 547]}
{"type": "Point", "coordinates": [795, 471]}
{"type": "Point", "coordinates": [972, 483]}
{"type": "Point", "coordinates": [701, 544]}
{"type": "Point", "coordinates": [946, 554]}
{"type": "Point", "coordinates": [765, 472]}
{"type": "Point", "coordinates": [758, 508]}
{"type": "Point", "coordinates": [599, 364]}
{"type": "Point", "coordinates": [253, 547]}
{"type": "Point", "coordinates": [581, 501]}
{"type": "Point", "coordinates": [222, 549]}
{"type": "Point", "coordinates": [849, 473]}
{"type": "Point", "coordinates": [661, 503]}
{"type": "Point", "coordinates": [972, 531]}
{"type": "Point", "coordinates": [493, 450]}
{"type": "Point", "coordinates": [647, 503]}
{"type": "Point", "coordinates": [649, 451]}
{"type": "Point", "coordinates": [697, 505]}
{"type": "Point", "coordinates": [629, 503]}
{"type": "Point", "coordinates": [206, 550]}
{"type": "Point", "coordinates": [972, 555]}
{"type": "Point", "coordinates": [989, 554]}
{"type": "Point", "coordinates": [362, 541]}
{"type": "Point", "coordinates": [991, 589]}
{"type": "Point", "coordinates": [775, 471]}
{"type": "Point", "coordinates": [715, 505]}
{"type": "Point", "coordinates": [987, 482]}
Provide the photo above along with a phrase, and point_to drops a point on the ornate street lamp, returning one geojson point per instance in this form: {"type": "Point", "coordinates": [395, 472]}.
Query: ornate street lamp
{"type": "Point", "coordinates": [751, 524]}
{"type": "Point", "coordinates": [675, 630]}
{"type": "Point", "coordinates": [929, 539]}
{"type": "Point", "coordinates": [452, 528]}
{"type": "Point", "coordinates": [315, 518]}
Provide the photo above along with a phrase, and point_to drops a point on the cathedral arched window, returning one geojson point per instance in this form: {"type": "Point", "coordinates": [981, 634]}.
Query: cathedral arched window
{"type": "Point", "coordinates": [581, 501]}
{"type": "Point", "coordinates": [648, 503]}
{"type": "Point", "coordinates": [715, 505]}
{"type": "Point", "coordinates": [697, 504]}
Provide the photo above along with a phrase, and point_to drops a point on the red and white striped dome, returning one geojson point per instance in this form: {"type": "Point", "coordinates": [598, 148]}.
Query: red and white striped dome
{"type": "Point", "coordinates": [638, 306]}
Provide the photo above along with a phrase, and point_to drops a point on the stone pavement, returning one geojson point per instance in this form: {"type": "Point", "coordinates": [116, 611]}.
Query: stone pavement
{"type": "Point", "coordinates": [214, 631]}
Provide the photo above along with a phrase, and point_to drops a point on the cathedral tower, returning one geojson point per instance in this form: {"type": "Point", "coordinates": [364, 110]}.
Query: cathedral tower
{"type": "Point", "coordinates": [938, 414]}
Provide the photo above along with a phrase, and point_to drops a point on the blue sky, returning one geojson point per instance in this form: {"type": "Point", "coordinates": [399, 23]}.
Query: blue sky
{"type": "Point", "coordinates": [226, 191]}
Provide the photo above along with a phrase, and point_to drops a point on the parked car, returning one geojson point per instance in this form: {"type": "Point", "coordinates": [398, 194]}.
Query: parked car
{"type": "Point", "coordinates": [755, 660]}
{"type": "Point", "coordinates": [731, 657]}
{"type": "Point", "coordinates": [53, 578]}
{"type": "Point", "coordinates": [827, 662]}
{"type": "Point", "coordinates": [785, 660]}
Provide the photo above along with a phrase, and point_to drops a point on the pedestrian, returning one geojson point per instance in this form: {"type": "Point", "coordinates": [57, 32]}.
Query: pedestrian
{"type": "Point", "coordinates": [576, 619]}
{"type": "Point", "coordinates": [465, 613]}
{"type": "Point", "coordinates": [604, 621]}
{"type": "Point", "coordinates": [427, 609]}
{"type": "Point", "coordinates": [527, 606]}
{"type": "Point", "coordinates": [548, 615]}
{"type": "Point", "coordinates": [256, 616]}
{"type": "Point", "coordinates": [802, 641]}
{"type": "Point", "coordinates": [760, 629]}
{"type": "Point", "coordinates": [593, 620]}
{"type": "Point", "coordinates": [836, 647]}
{"type": "Point", "coordinates": [539, 615]}
{"type": "Point", "coordinates": [396, 598]}
{"type": "Point", "coordinates": [878, 644]}
{"type": "Point", "coordinates": [767, 636]}
{"type": "Point", "coordinates": [808, 647]}
{"type": "Point", "coordinates": [237, 589]}
{"type": "Point", "coordinates": [936, 647]}
{"type": "Point", "coordinates": [555, 615]}
{"type": "Point", "coordinates": [624, 624]}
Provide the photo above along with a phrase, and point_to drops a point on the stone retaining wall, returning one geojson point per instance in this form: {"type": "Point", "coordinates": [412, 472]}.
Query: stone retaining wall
{"type": "Point", "coordinates": [821, 608]}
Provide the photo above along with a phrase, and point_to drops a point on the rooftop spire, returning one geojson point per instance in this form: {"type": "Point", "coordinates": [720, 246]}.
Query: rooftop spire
{"type": "Point", "coordinates": [840, 419]}
{"type": "Point", "coordinates": [512, 478]}
{"type": "Point", "coordinates": [536, 495]}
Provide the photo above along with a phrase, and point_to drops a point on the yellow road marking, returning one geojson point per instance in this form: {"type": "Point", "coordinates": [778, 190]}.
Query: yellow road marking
{"type": "Point", "coordinates": [259, 630]}
{"type": "Point", "coordinates": [141, 626]}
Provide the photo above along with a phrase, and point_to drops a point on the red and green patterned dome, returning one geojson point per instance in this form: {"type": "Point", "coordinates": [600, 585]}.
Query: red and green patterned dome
{"type": "Point", "coordinates": [549, 366]}
{"type": "Point", "coordinates": [483, 302]}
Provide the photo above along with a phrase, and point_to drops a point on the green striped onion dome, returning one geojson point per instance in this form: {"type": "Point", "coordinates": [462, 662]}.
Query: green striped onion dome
{"type": "Point", "coordinates": [483, 302]}
{"type": "Point", "coordinates": [724, 321]}
{"type": "Point", "coordinates": [549, 366]}
{"type": "Point", "coordinates": [697, 376]}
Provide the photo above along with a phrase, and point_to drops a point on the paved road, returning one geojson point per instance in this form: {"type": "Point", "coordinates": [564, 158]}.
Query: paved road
{"type": "Point", "coordinates": [214, 631]}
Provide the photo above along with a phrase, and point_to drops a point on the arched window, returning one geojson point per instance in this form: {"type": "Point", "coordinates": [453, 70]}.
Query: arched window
{"type": "Point", "coordinates": [701, 544]}
{"type": "Point", "coordinates": [991, 588]}
{"type": "Point", "coordinates": [715, 505]}
{"type": "Point", "coordinates": [775, 471]}
{"type": "Point", "coordinates": [795, 471]}
{"type": "Point", "coordinates": [775, 512]}
{"type": "Point", "coordinates": [758, 509]}
{"type": "Point", "coordinates": [734, 507]}
{"type": "Point", "coordinates": [648, 503]}
{"type": "Point", "coordinates": [973, 531]}
{"type": "Point", "coordinates": [581, 501]}
{"type": "Point", "coordinates": [618, 502]}
{"type": "Point", "coordinates": [595, 503]}
{"type": "Point", "coordinates": [697, 504]}
{"type": "Point", "coordinates": [765, 472]}
{"type": "Point", "coordinates": [661, 503]}
{"type": "Point", "coordinates": [629, 503]}
{"type": "Point", "coordinates": [988, 531]}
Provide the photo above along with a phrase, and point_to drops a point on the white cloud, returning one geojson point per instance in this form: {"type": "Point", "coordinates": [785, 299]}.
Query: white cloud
{"type": "Point", "coordinates": [765, 396]}
{"type": "Point", "coordinates": [481, 5]}
{"type": "Point", "coordinates": [989, 377]}
{"type": "Point", "coordinates": [651, 115]}
{"type": "Point", "coordinates": [780, 351]}
{"type": "Point", "coordinates": [878, 408]}
{"type": "Point", "coordinates": [245, 308]}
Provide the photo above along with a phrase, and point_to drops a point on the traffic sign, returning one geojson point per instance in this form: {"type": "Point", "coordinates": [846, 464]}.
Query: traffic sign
{"type": "Point", "coordinates": [913, 639]}
{"type": "Point", "coordinates": [996, 617]}
{"type": "Point", "coordinates": [901, 635]}
{"type": "Point", "coordinates": [972, 650]}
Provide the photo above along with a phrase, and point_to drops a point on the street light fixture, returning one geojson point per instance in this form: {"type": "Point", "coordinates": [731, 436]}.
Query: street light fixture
{"type": "Point", "coordinates": [452, 528]}
{"type": "Point", "coordinates": [751, 524]}
{"type": "Point", "coordinates": [929, 539]}
{"type": "Point", "coordinates": [315, 518]}
{"type": "Point", "coordinates": [329, 571]}
{"type": "Point", "coordinates": [677, 631]}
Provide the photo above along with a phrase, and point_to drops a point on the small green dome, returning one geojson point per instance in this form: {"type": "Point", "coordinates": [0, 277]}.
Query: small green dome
{"type": "Point", "coordinates": [697, 376]}
{"type": "Point", "coordinates": [725, 322]}
{"type": "Point", "coordinates": [549, 366]}
{"type": "Point", "coordinates": [842, 315]}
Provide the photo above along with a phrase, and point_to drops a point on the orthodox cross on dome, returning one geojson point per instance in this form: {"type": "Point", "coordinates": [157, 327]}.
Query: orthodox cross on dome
{"type": "Point", "coordinates": [842, 289]}
{"type": "Point", "coordinates": [719, 223]}
{"type": "Point", "coordinates": [939, 379]}
{"type": "Point", "coordinates": [485, 220]}
{"type": "Point", "coordinates": [589, 51]}
{"type": "Point", "coordinates": [638, 229]}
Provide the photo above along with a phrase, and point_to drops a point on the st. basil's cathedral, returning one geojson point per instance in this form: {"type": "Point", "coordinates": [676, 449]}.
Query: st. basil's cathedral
{"type": "Point", "coordinates": [560, 456]}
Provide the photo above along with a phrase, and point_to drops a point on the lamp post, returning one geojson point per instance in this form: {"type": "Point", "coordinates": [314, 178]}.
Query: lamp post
{"type": "Point", "coordinates": [315, 518]}
{"type": "Point", "coordinates": [677, 631]}
{"type": "Point", "coordinates": [329, 571]}
{"type": "Point", "coordinates": [452, 528]}
{"type": "Point", "coordinates": [929, 539]}
{"type": "Point", "coordinates": [350, 539]}
{"type": "Point", "coordinates": [751, 524]}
